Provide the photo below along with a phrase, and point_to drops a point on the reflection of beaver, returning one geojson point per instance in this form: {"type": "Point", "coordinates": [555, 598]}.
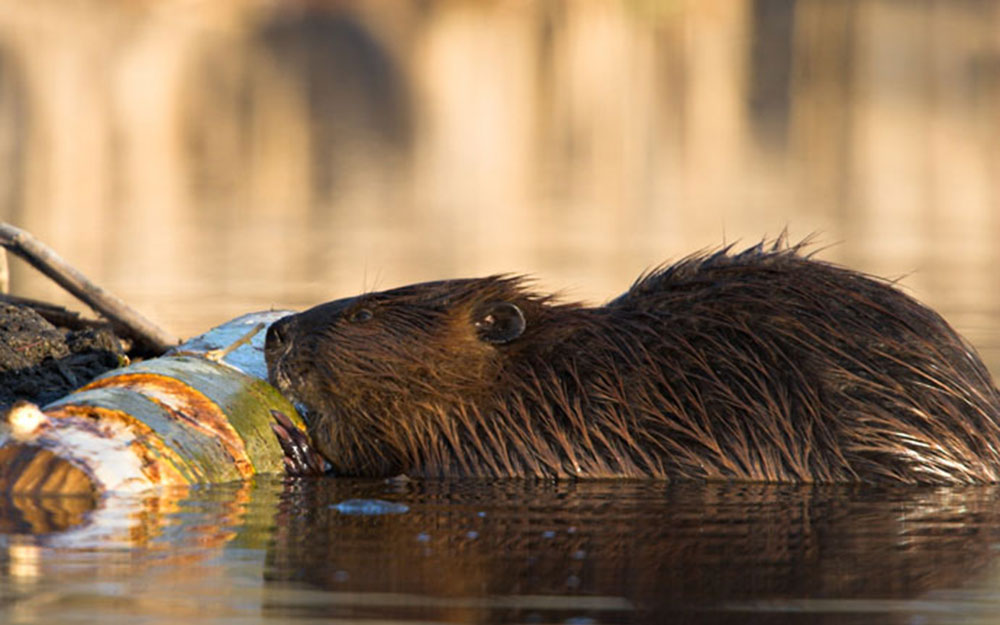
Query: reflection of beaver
{"type": "Point", "coordinates": [761, 365]}
{"type": "Point", "coordinates": [678, 553]}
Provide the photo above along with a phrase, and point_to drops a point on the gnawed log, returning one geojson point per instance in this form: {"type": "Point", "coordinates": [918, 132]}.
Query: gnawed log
{"type": "Point", "coordinates": [201, 414]}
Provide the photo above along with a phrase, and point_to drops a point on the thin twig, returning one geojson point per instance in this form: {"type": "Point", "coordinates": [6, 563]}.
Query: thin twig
{"type": "Point", "coordinates": [218, 354]}
{"type": "Point", "coordinates": [147, 335]}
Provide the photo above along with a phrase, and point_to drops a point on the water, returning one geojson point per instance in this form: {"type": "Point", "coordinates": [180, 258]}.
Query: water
{"type": "Point", "coordinates": [512, 552]}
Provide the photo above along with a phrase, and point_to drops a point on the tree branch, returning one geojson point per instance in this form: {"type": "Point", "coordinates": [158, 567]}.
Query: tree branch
{"type": "Point", "coordinates": [149, 337]}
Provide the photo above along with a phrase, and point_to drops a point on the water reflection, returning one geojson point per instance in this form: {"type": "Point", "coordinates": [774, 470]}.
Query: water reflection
{"type": "Point", "coordinates": [631, 552]}
{"type": "Point", "coordinates": [517, 552]}
{"type": "Point", "coordinates": [20, 514]}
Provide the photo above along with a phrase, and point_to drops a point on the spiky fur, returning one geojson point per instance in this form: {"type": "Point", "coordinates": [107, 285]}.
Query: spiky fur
{"type": "Point", "coordinates": [759, 365]}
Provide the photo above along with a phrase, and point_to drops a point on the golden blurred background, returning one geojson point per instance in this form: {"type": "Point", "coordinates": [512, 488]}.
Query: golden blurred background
{"type": "Point", "coordinates": [207, 158]}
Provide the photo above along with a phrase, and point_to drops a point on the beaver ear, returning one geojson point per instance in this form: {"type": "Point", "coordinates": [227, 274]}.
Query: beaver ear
{"type": "Point", "coordinates": [499, 323]}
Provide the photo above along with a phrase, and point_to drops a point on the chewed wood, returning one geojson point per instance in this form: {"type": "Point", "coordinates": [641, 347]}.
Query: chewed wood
{"type": "Point", "coordinates": [186, 404]}
{"type": "Point", "coordinates": [160, 465]}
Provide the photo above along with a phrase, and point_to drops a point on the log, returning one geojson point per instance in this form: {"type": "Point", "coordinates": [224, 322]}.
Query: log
{"type": "Point", "coordinates": [200, 414]}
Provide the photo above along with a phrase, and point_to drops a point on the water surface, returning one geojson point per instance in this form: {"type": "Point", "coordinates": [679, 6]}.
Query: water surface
{"type": "Point", "coordinates": [509, 551]}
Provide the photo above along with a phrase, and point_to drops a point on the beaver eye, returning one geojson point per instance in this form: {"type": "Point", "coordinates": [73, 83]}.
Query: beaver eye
{"type": "Point", "coordinates": [499, 323]}
{"type": "Point", "coordinates": [360, 315]}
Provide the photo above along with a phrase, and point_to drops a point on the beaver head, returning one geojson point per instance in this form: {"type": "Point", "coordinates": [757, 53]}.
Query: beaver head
{"type": "Point", "coordinates": [382, 376]}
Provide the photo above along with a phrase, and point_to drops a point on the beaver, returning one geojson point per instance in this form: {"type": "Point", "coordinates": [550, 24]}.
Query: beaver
{"type": "Point", "coordinates": [760, 364]}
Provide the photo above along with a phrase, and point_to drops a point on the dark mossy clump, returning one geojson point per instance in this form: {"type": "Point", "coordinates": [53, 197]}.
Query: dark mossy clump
{"type": "Point", "coordinates": [40, 362]}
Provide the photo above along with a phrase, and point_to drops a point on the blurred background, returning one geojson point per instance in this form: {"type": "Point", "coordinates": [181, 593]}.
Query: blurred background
{"type": "Point", "coordinates": [203, 159]}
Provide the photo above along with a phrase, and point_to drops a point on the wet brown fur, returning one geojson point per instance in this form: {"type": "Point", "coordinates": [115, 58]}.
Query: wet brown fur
{"type": "Point", "coordinates": [760, 365]}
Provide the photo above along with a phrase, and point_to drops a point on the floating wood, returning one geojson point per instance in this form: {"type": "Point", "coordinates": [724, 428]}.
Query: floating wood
{"type": "Point", "coordinates": [200, 414]}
